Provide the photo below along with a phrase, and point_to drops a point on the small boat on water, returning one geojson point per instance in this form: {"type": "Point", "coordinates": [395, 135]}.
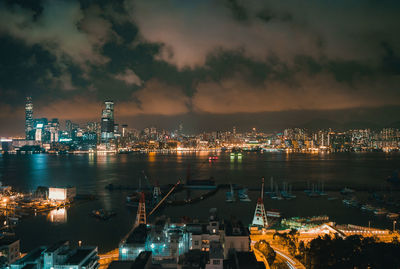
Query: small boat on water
{"type": "Point", "coordinates": [277, 195]}
{"type": "Point", "coordinates": [368, 207]}
{"type": "Point", "coordinates": [380, 212]}
{"type": "Point", "coordinates": [312, 192]}
{"type": "Point", "coordinates": [287, 192]}
{"type": "Point", "coordinates": [230, 195]}
{"type": "Point", "coordinates": [392, 215]}
{"type": "Point", "coordinates": [350, 202]}
{"type": "Point", "coordinates": [243, 196]}
{"type": "Point", "coordinates": [346, 191]}
{"type": "Point", "coordinates": [102, 214]}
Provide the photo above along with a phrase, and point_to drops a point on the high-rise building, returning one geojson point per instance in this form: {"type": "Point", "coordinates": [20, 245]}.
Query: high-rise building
{"type": "Point", "coordinates": [107, 122]}
{"type": "Point", "coordinates": [28, 118]}
{"type": "Point", "coordinates": [54, 130]}
{"type": "Point", "coordinates": [124, 129]}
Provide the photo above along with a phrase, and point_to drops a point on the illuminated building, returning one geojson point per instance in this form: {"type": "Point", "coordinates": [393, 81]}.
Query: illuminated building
{"type": "Point", "coordinates": [68, 127]}
{"type": "Point", "coordinates": [62, 194]}
{"type": "Point", "coordinates": [124, 130]}
{"type": "Point", "coordinates": [28, 118]}
{"type": "Point", "coordinates": [38, 132]}
{"type": "Point", "coordinates": [59, 255]}
{"type": "Point", "coordinates": [107, 122]}
{"type": "Point", "coordinates": [54, 130]}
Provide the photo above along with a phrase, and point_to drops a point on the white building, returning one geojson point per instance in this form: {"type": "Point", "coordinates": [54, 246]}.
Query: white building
{"type": "Point", "coordinates": [66, 194]}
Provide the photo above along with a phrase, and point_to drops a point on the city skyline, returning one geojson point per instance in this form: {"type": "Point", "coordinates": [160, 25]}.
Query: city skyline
{"type": "Point", "coordinates": [268, 65]}
{"type": "Point", "coordinates": [241, 123]}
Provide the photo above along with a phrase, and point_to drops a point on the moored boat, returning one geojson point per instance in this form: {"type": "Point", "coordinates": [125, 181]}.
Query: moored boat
{"type": "Point", "coordinates": [392, 215]}
{"type": "Point", "coordinates": [380, 212]}
{"type": "Point", "coordinates": [243, 196]}
{"type": "Point", "coordinates": [102, 214]}
{"type": "Point", "coordinates": [273, 213]}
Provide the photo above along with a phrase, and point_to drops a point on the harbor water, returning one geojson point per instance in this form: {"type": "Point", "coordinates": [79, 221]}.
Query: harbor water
{"type": "Point", "coordinates": [364, 172]}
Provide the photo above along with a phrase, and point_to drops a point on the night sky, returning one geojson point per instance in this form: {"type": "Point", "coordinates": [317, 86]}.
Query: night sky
{"type": "Point", "coordinates": [210, 64]}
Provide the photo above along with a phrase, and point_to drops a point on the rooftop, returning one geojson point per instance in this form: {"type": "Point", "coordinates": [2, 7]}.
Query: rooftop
{"type": "Point", "coordinates": [56, 246]}
{"type": "Point", "coordinates": [235, 228]}
{"type": "Point", "coordinates": [79, 255]}
{"type": "Point", "coordinates": [138, 235]}
{"type": "Point", "coordinates": [32, 256]}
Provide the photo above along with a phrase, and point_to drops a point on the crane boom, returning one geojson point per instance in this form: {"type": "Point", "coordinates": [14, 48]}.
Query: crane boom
{"type": "Point", "coordinates": [165, 197]}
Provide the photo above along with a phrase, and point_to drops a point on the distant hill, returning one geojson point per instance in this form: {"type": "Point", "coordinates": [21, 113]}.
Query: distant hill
{"type": "Point", "coordinates": [317, 124]}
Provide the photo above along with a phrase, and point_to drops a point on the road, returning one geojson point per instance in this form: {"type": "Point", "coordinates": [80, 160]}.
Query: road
{"type": "Point", "coordinates": [291, 262]}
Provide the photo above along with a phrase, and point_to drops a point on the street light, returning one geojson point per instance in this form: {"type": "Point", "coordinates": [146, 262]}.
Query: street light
{"type": "Point", "coordinates": [394, 225]}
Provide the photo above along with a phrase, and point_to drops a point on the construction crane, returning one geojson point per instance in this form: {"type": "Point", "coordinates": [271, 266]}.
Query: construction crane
{"type": "Point", "coordinates": [165, 197]}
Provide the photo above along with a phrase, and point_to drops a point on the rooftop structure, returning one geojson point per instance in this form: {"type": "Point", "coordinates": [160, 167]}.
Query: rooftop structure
{"type": "Point", "coordinates": [59, 256]}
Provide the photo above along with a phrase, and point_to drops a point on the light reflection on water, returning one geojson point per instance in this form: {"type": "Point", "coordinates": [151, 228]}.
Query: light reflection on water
{"type": "Point", "coordinates": [57, 216]}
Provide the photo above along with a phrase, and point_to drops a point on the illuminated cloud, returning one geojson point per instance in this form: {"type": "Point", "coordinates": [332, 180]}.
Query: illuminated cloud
{"type": "Point", "coordinates": [61, 29]}
{"type": "Point", "coordinates": [156, 99]}
{"type": "Point", "coordinates": [190, 30]}
{"type": "Point", "coordinates": [129, 77]}
{"type": "Point", "coordinates": [305, 92]}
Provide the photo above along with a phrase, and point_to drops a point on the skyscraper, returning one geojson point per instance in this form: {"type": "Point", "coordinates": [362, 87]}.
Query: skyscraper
{"type": "Point", "coordinates": [28, 118]}
{"type": "Point", "coordinates": [107, 122]}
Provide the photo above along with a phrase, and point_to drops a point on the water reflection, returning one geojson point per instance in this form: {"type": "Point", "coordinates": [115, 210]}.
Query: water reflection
{"type": "Point", "coordinates": [91, 159]}
{"type": "Point", "coordinates": [57, 216]}
{"type": "Point", "coordinates": [39, 169]}
{"type": "Point", "coordinates": [152, 157]}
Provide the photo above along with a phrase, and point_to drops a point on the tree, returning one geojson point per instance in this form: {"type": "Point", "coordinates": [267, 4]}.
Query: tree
{"type": "Point", "coordinates": [266, 250]}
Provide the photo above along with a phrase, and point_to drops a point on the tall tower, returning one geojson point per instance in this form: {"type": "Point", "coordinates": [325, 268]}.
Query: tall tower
{"type": "Point", "coordinates": [28, 117]}
{"type": "Point", "coordinates": [141, 212]}
{"type": "Point", "coordinates": [107, 122]}
{"type": "Point", "coordinates": [260, 218]}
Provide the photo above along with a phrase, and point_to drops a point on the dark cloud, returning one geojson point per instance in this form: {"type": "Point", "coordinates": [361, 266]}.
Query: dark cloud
{"type": "Point", "coordinates": [200, 58]}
